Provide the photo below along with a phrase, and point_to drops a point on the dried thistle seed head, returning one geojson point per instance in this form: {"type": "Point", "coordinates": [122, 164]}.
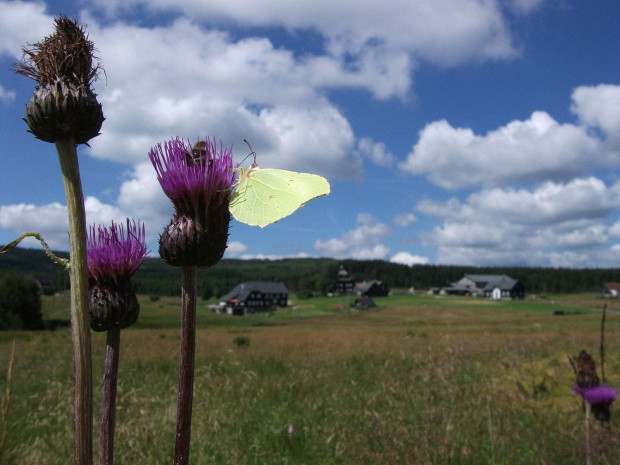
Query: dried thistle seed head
{"type": "Point", "coordinates": [586, 371]}
{"type": "Point", "coordinates": [64, 67]}
{"type": "Point", "coordinates": [67, 55]}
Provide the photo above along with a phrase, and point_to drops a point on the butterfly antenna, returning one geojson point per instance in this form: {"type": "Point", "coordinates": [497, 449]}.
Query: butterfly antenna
{"type": "Point", "coordinates": [252, 152]}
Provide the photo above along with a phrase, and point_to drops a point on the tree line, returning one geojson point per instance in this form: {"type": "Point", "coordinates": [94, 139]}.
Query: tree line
{"type": "Point", "coordinates": [310, 276]}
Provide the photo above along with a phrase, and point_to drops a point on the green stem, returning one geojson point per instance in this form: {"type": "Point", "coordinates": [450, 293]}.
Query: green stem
{"type": "Point", "coordinates": [107, 421]}
{"type": "Point", "coordinates": [587, 434]}
{"type": "Point", "coordinates": [80, 326]}
{"type": "Point", "coordinates": [186, 370]}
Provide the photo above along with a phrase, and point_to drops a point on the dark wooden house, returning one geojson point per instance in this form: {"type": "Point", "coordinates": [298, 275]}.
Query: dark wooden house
{"type": "Point", "coordinates": [344, 285]}
{"type": "Point", "coordinates": [254, 296]}
{"type": "Point", "coordinates": [373, 289]}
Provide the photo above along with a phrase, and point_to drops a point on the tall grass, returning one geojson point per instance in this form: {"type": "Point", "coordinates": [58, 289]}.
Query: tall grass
{"type": "Point", "coordinates": [412, 383]}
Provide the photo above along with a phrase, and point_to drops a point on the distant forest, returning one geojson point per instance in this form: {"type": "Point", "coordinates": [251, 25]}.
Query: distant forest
{"type": "Point", "coordinates": [311, 276]}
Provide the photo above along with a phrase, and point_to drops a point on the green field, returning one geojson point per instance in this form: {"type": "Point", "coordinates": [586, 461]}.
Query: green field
{"type": "Point", "coordinates": [417, 380]}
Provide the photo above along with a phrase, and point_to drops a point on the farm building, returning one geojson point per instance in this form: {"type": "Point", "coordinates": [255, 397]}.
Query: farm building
{"type": "Point", "coordinates": [344, 284]}
{"type": "Point", "coordinates": [363, 302]}
{"type": "Point", "coordinates": [254, 296]}
{"type": "Point", "coordinates": [610, 290]}
{"type": "Point", "coordinates": [491, 286]}
{"type": "Point", "coordinates": [372, 289]}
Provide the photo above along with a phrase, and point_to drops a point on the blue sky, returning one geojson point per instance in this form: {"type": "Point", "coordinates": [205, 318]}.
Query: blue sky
{"type": "Point", "coordinates": [476, 132]}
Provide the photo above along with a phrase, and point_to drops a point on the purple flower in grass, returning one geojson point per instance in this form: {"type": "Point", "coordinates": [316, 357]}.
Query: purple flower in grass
{"type": "Point", "coordinates": [198, 180]}
{"type": "Point", "coordinates": [599, 397]}
{"type": "Point", "coordinates": [594, 395]}
{"type": "Point", "coordinates": [113, 256]}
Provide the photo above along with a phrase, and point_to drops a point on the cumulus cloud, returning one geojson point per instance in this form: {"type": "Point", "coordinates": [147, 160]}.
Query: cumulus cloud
{"type": "Point", "coordinates": [235, 249]}
{"type": "Point", "coordinates": [551, 203]}
{"type": "Point", "coordinates": [376, 152]}
{"type": "Point", "coordinates": [405, 258]}
{"type": "Point", "coordinates": [362, 243]}
{"type": "Point", "coordinates": [22, 23]}
{"type": "Point", "coordinates": [526, 227]}
{"type": "Point", "coordinates": [212, 85]}
{"type": "Point", "coordinates": [599, 107]}
{"type": "Point", "coordinates": [7, 95]}
{"type": "Point", "coordinates": [405, 219]}
{"type": "Point", "coordinates": [51, 220]}
{"type": "Point", "coordinates": [538, 148]}
{"type": "Point", "coordinates": [441, 31]}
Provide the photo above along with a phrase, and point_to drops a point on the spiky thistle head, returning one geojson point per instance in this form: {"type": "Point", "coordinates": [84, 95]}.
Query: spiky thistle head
{"type": "Point", "coordinates": [113, 257]}
{"type": "Point", "coordinates": [599, 397]}
{"type": "Point", "coordinates": [64, 67]}
{"type": "Point", "coordinates": [198, 181]}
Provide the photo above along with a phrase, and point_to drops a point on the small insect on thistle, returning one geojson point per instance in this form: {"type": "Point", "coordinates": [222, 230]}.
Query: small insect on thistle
{"type": "Point", "coordinates": [198, 156]}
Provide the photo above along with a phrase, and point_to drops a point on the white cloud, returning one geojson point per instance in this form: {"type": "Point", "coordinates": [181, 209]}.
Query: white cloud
{"type": "Point", "coordinates": [551, 203]}
{"type": "Point", "coordinates": [405, 219]}
{"type": "Point", "coordinates": [235, 249]}
{"type": "Point", "coordinates": [51, 220]}
{"type": "Point", "coordinates": [538, 148]}
{"type": "Point", "coordinates": [363, 243]}
{"type": "Point", "coordinates": [599, 107]}
{"type": "Point", "coordinates": [22, 23]}
{"type": "Point", "coordinates": [7, 95]}
{"type": "Point", "coordinates": [375, 152]}
{"type": "Point", "coordinates": [48, 220]}
{"type": "Point", "coordinates": [142, 197]}
{"type": "Point", "coordinates": [405, 258]}
{"type": "Point", "coordinates": [271, 256]}
{"type": "Point", "coordinates": [443, 31]}
{"type": "Point", "coordinates": [543, 227]}
{"type": "Point", "coordinates": [614, 230]}
{"type": "Point", "coordinates": [187, 81]}
{"type": "Point", "coordinates": [524, 6]}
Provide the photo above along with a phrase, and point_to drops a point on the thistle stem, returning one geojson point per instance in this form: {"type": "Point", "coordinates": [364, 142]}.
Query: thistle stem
{"type": "Point", "coordinates": [108, 397]}
{"type": "Point", "coordinates": [80, 327]}
{"type": "Point", "coordinates": [587, 434]}
{"type": "Point", "coordinates": [186, 370]}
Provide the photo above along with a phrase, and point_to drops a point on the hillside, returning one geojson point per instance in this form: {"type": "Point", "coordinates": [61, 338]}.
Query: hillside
{"type": "Point", "coordinates": [313, 276]}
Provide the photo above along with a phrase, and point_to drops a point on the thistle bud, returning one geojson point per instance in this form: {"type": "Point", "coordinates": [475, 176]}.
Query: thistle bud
{"type": "Point", "coordinates": [64, 103]}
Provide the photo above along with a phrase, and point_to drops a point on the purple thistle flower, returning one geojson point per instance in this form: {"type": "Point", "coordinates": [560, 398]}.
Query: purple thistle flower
{"type": "Point", "coordinates": [113, 256]}
{"type": "Point", "coordinates": [192, 186]}
{"type": "Point", "coordinates": [599, 397]}
{"type": "Point", "coordinates": [199, 181]}
{"type": "Point", "coordinates": [594, 395]}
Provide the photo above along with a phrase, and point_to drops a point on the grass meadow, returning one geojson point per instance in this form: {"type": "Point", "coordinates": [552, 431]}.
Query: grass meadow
{"type": "Point", "coordinates": [417, 380]}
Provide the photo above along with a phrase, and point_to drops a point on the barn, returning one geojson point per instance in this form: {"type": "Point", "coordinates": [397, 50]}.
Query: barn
{"type": "Point", "coordinates": [491, 286]}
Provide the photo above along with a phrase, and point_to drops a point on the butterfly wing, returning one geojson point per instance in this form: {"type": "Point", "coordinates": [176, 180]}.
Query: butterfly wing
{"type": "Point", "coordinates": [264, 196]}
